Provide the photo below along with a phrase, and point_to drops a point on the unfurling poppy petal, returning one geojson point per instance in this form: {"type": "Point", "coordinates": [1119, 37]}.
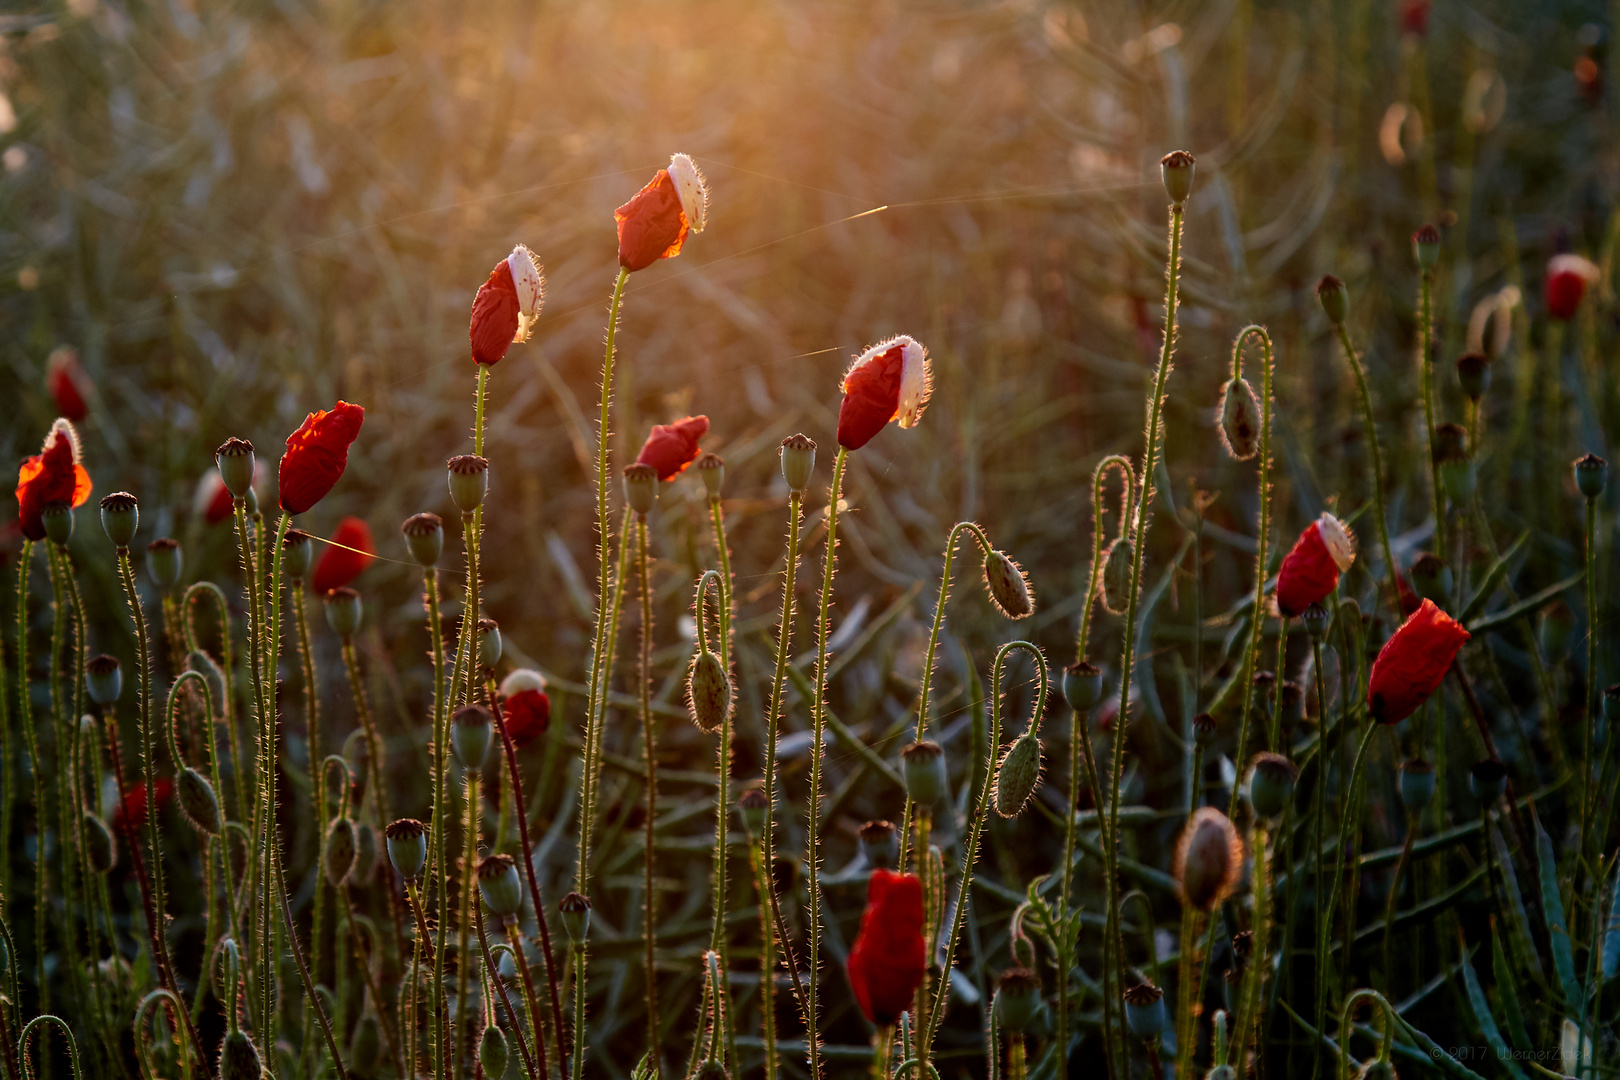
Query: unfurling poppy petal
{"type": "Point", "coordinates": [1568, 277]}
{"type": "Point", "coordinates": [1311, 570]}
{"type": "Point", "coordinates": [888, 959]}
{"type": "Point", "coordinates": [890, 381]}
{"type": "Point", "coordinates": [495, 314]}
{"type": "Point", "coordinates": [670, 448]}
{"type": "Point", "coordinates": [525, 706]}
{"type": "Point", "coordinates": [1412, 663]}
{"type": "Point", "coordinates": [66, 380]}
{"type": "Point", "coordinates": [652, 225]}
{"type": "Point", "coordinates": [316, 456]}
{"type": "Point", "coordinates": [52, 475]}
{"type": "Point", "coordinates": [338, 566]}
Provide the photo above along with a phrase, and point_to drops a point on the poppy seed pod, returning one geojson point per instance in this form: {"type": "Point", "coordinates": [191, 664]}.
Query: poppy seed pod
{"type": "Point", "coordinates": [751, 806]}
{"type": "Point", "coordinates": [1209, 859]}
{"type": "Point", "coordinates": [54, 474]}
{"type": "Point", "coordinates": [424, 536]}
{"type": "Point", "coordinates": [708, 692]}
{"type": "Point", "coordinates": [120, 517]}
{"type": "Point", "coordinates": [490, 645]}
{"type": "Point", "coordinates": [1008, 586]}
{"type": "Point", "coordinates": [798, 461]}
{"type": "Point", "coordinates": [880, 844]}
{"type": "Point", "coordinates": [1317, 621]}
{"type": "Point", "coordinates": [1221, 1072]}
{"type": "Point", "coordinates": [297, 551]}
{"type": "Point", "coordinates": [640, 487]}
{"type": "Point", "coordinates": [104, 679]}
{"type": "Point", "coordinates": [1487, 780]}
{"type": "Point", "coordinates": [1238, 419]}
{"type": "Point", "coordinates": [1204, 730]}
{"type": "Point", "coordinates": [235, 461]}
{"type": "Point", "coordinates": [238, 1057]}
{"type": "Point", "coordinates": [1017, 775]}
{"type": "Point", "coordinates": [470, 736]}
{"type": "Point", "coordinates": [923, 765]}
{"type": "Point", "coordinates": [407, 846]}
{"type": "Point", "coordinates": [1474, 375]}
{"type": "Point", "coordinates": [712, 469]}
{"type": "Point", "coordinates": [341, 849]}
{"type": "Point", "coordinates": [575, 911]}
{"type": "Point", "coordinates": [1018, 1003]}
{"type": "Point", "coordinates": [492, 1052]}
{"type": "Point", "coordinates": [1271, 784]}
{"type": "Point", "coordinates": [1145, 1013]}
{"type": "Point", "coordinates": [1334, 298]}
{"type": "Point", "coordinates": [1116, 576]}
{"type": "Point", "coordinates": [58, 519]}
{"type": "Point", "coordinates": [343, 611]}
{"type": "Point", "coordinates": [198, 801]}
{"type": "Point", "coordinates": [1176, 170]}
{"type": "Point", "coordinates": [1431, 577]}
{"type": "Point", "coordinates": [1082, 686]}
{"type": "Point", "coordinates": [469, 481]}
{"type": "Point", "coordinates": [1591, 475]}
{"type": "Point", "coordinates": [1417, 783]}
{"type": "Point", "coordinates": [891, 381]}
{"type": "Point", "coordinates": [1450, 443]}
{"type": "Point", "coordinates": [100, 852]}
{"type": "Point", "coordinates": [500, 886]}
{"type": "Point", "coordinates": [163, 562]}
{"type": "Point", "coordinates": [1426, 248]}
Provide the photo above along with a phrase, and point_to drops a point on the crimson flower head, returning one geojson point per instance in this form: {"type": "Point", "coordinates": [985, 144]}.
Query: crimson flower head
{"type": "Point", "coordinates": [68, 383]}
{"type": "Point", "coordinates": [316, 455]}
{"type": "Point", "coordinates": [338, 566]}
{"type": "Point", "coordinates": [889, 957]}
{"type": "Point", "coordinates": [131, 812]}
{"type": "Point", "coordinates": [1311, 570]}
{"type": "Point", "coordinates": [507, 305]}
{"type": "Point", "coordinates": [670, 448]}
{"type": "Point", "coordinates": [889, 381]}
{"type": "Point", "coordinates": [1568, 278]}
{"type": "Point", "coordinates": [1415, 17]}
{"type": "Point", "coordinates": [654, 223]}
{"type": "Point", "coordinates": [525, 706]}
{"type": "Point", "coordinates": [212, 501]}
{"type": "Point", "coordinates": [1412, 663]}
{"type": "Point", "coordinates": [52, 475]}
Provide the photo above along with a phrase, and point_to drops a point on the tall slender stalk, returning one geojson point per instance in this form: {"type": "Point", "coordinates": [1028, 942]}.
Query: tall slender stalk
{"type": "Point", "coordinates": [1347, 825]}
{"type": "Point", "coordinates": [441, 763]}
{"type": "Point", "coordinates": [1251, 1021]}
{"type": "Point", "coordinates": [649, 750]}
{"type": "Point", "coordinates": [23, 719]}
{"type": "Point", "coordinates": [1425, 348]}
{"type": "Point", "coordinates": [718, 937]}
{"type": "Point", "coordinates": [271, 836]}
{"type": "Point", "coordinates": [459, 1037]}
{"type": "Point", "coordinates": [1322, 761]}
{"type": "Point", "coordinates": [1374, 462]}
{"type": "Point", "coordinates": [1590, 791]}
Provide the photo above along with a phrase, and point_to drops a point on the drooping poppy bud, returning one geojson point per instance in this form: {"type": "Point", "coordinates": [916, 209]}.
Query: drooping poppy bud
{"type": "Point", "coordinates": [1238, 419]}
{"type": "Point", "coordinates": [1017, 775]}
{"type": "Point", "coordinates": [492, 1051]}
{"type": "Point", "coordinates": [1008, 586]}
{"type": "Point", "coordinates": [100, 851]}
{"type": "Point", "coordinates": [1311, 570]}
{"type": "Point", "coordinates": [238, 1057]}
{"type": "Point", "coordinates": [68, 383]}
{"type": "Point", "coordinates": [316, 456]}
{"type": "Point", "coordinates": [1116, 576]}
{"type": "Point", "coordinates": [1412, 663]}
{"type": "Point", "coordinates": [1568, 278]}
{"type": "Point", "coordinates": [654, 223]}
{"type": "Point", "coordinates": [889, 957]}
{"type": "Point", "coordinates": [198, 802]}
{"type": "Point", "coordinates": [407, 846]}
{"type": "Point", "coordinates": [670, 448]}
{"type": "Point", "coordinates": [525, 706]}
{"type": "Point", "coordinates": [708, 691]}
{"type": "Point", "coordinates": [345, 557]}
{"type": "Point", "coordinates": [890, 381]}
{"type": "Point", "coordinates": [1209, 859]}
{"type": "Point", "coordinates": [52, 475]}
{"type": "Point", "coordinates": [339, 852]}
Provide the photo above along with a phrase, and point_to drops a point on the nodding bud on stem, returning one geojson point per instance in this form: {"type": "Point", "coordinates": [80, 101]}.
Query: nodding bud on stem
{"type": "Point", "coordinates": [1334, 298]}
{"type": "Point", "coordinates": [120, 517]}
{"type": "Point", "coordinates": [751, 807]}
{"type": "Point", "coordinates": [343, 611]}
{"type": "Point", "coordinates": [235, 461]}
{"type": "Point", "coordinates": [1145, 1013]}
{"type": "Point", "coordinates": [99, 850]}
{"type": "Point", "coordinates": [1417, 784]}
{"type": "Point", "coordinates": [708, 691]}
{"type": "Point", "coordinates": [575, 910]}
{"type": "Point", "coordinates": [798, 461]}
{"type": "Point", "coordinates": [407, 846]}
{"type": "Point", "coordinates": [238, 1057]}
{"type": "Point", "coordinates": [103, 679]}
{"type": "Point", "coordinates": [297, 552]}
{"type": "Point", "coordinates": [1209, 859]}
{"type": "Point", "coordinates": [1018, 774]}
{"type": "Point", "coordinates": [1176, 170]}
{"type": "Point", "coordinates": [712, 469]}
{"type": "Point", "coordinates": [163, 562]}
{"type": "Point", "coordinates": [1487, 780]}
{"type": "Point", "coordinates": [923, 764]}
{"type": "Point", "coordinates": [1082, 686]}
{"type": "Point", "coordinates": [1426, 248]}
{"type": "Point", "coordinates": [424, 535]}
{"type": "Point", "coordinates": [469, 481]}
{"type": "Point", "coordinates": [339, 852]}
{"type": "Point", "coordinates": [492, 1052]}
{"type": "Point", "coordinates": [1271, 784]}
{"type": "Point", "coordinates": [1474, 375]}
{"type": "Point", "coordinates": [1239, 419]}
{"type": "Point", "coordinates": [1116, 576]}
{"type": "Point", "coordinates": [500, 886]}
{"type": "Point", "coordinates": [1008, 586]}
{"type": "Point", "coordinates": [57, 516]}
{"type": "Point", "coordinates": [470, 736]}
{"type": "Point", "coordinates": [641, 487]}
{"type": "Point", "coordinates": [1591, 476]}
{"type": "Point", "coordinates": [880, 843]}
{"type": "Point", "coordinates": [1017, 1004]}
{"type": "Point", "coordinates": [198, 801]}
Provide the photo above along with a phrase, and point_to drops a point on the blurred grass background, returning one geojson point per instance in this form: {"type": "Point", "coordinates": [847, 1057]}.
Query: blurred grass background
{"type": "Point", "coordinates": [239, 212]}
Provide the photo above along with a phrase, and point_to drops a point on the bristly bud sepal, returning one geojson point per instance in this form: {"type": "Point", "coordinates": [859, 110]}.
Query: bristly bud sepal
{"type": "Point", "coordinates": [708, 692]}
{"type": "Point", "coordinates": [198, 801]}
{"type": "Point", "coordinates": [1176, 170]}
{"type": "Point", "coordinates": [1116, 576]}
{"type": "Point", "coordinates": [492, 1052]}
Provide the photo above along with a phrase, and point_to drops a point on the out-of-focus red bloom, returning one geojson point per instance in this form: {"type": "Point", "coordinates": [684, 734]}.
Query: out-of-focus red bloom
{"type": "Point", "coordinates": [131, 812]}
{"type": "Point", "coordinates": [654, 223]}
{"type": "Point", "coordinates": [889, 381]}
{"type": "Point", "coordinates": [888, 960]}
{"type": "Point", "coordinates": [52, 475]}
{"type": "Point", "coordinates": [1415, 17]}
{"type": "Point", "coordinates": [1412, 663]}
{"type": "Point", "coordinates": [1409, 599]}
{"type": "Point", "coordinates": [10, 541]}
{"type": "Point", "coordinates": [670, 448]}
{"type": "Point", "coordinates": [212, 502]}
{"type": "Point", "coordinates": [316, 455]}
{"type": "Point", "coordinates": [1568, 277]}
{"type": "Point", "coordinates": [506, 306]}
{"type": "Point", "coordinates": [1311, 570]}
{"type": "Point", "coordinates": [338, 566]}
{"type": "Point", "coordinates": [525, 706]}
{"type": "Point", "coordinates": [68, 383]}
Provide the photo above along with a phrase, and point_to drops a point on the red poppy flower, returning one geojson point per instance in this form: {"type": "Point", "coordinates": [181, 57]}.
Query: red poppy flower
{"type": "Point", "coordinates": [213, 499]}
{"type": "Point", "coordinates": [670, 448]}
{"type": "Point", "coordinates": [506, 306]}
{"type": "Point", "coordinates": [1410, 600]}
{"type": "Point", "coordinates": [338, 566]}
{"type": "Point", "coordinates": [654, 223]}
{"type": "Point", "coordinates": [1415, 17]}
{"type": "Point", "coordinates": [889, 958]}
{"type": "Point", "coordinates": [131, 812]}
{"type": "Point", "coordinates": [525, 706]}
{"type": "Point", "coordinates": [316, 455]}
{"type": "Point", "coordinates": [890, 381]}
{"type": "Point", "coordinates": [66, 380]}
{"type": "Point", "coordinates": [1412, 663]}
{"type": "Point", "coordinates": [1568, 277]}
{"type": "Point", "coordinates": [52, 475]}
{"type": "Point", "coordinates": [1311, 570]}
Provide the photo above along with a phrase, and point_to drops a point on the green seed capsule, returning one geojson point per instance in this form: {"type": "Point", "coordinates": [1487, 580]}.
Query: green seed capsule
{"type": "Point", "coordinates": [880, 843]}
{"type": "Point", "coordinates": [640, 487]}
{"type": "Point", "coordinates": [798, 461]}
{"type": "Point", "coordinates": [424, 535]}
{"type": "Point", "coordinates": [923, 765]}
{"type": "Point", "coordinates": [57, 517]}
{"type": "Point", "coordinates": [575, 910]}
{"type": "Point", "coordinates": [104, 679]}
{"type": "Point", "coordinates": [708, 692]}
{"type": "Point", "coordinates": [198, 801]}
{"type": "Point", "coordinates": [1474, 374]}
{"type": "Point", "coordinates": [297, 551]}
{"type": "Point", "coordinates": [1591, 476]}
{"type": "Point", "coordinates": [1271, 784]}
{"type": "Point", "coordinates": [407, 847]}
{"type": "Point", "coordinates": [1417, 784]}
{"type": "Point", "coordinates": [1334, 298]}
{"type": "Point", "coordinates": [235, 460]}
{"type": "Point", "coordinates": [1018, 1005]}
{"type": "Point", "coordinates": [500, 886]}
{"type": "Point", "coordinates": [1145, 1013]}
{"type": "Point", "coordinates": [120, 518]}
{"type": "Point", "coordinates": [1176, 170]}
{"type": "Point", "coordinates": [470, 736]}
{"type": "Point", "coordinates": [1082, 686]}
{"type": "Point", "coordinates": [163, 562]}
{"type": "Point", "coordinates": [712, 469]}
{"type": "Point", "coordinates": [490, 645]}
{"type": "Point", "coordinates": [469, 481]}
{"type": "Point", "coordinates": [344, 611]}
{"type": "Point", "coordinates": [1019, 772]}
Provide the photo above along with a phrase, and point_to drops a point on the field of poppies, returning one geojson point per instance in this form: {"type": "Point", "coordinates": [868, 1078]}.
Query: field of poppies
{"type": "Point", "coordinates": [700, 539]}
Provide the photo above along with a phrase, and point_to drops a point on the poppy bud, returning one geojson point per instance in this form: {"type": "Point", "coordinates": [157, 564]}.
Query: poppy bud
{"type": "Point", "coordinates": [670, 448]}
{"type": "Point", "coordinates": [1431, 577]}
{"type": "Point", "coordinates": [1082, 686]}
{"type": "Point", "coordinates": [316, 455]}
{"type": "Point", "coordinates": [198, 801]}
{"type": "Point", "coordinates": [880, 844]}
{"type": "Point", "coordinates": [1209, 859]}
{"type": "Point", "coordinates": [365, 1050]}
{"type": "Point", "coordinates": [163, 562]}
{"type": "Point", "coordinates": [199, 661]}
{"type": "Point", "coordinates": [343, 611]}
{"type": "Point", "coordinates": [1176, 170]}
{"type": "Point", "coordinates": [67, 382]}
{"type": "Point", "coordinates": [297, 552]}
{"type": "Point", "coordinates": [1239, 419]}
{"type": "Point", "coordinates": [890, 381]}
{"type": "Point", "coordinates": [99, 850]}
{"type": "Point", "coordinates": [1474, 375]}
{"type": "Point", "coordinates": [1204, 730]}
{"type": "Point", "coordinates": [1416, 784]}
{"type": "Point", "coordinates": [341, 851]}
{"type": "Point", "coordinates": [58, 518]}
{"type": "Point", "coordinates": [1591, 475]}
{"type": "Point", "coordinates": [1017, 775]}
{"type": "Point", "coordinates": [235, 461]}
{"type": "Point", "coordinates": [1457, 474]}
{"type": "Point", "coordinates": [654, 224]}
{"type": "Point", "coordinates": [120, 517]}
{"type": "Point", "coordinates": [407, 846]}
{"type": "Point", "coordinates": [1271, 784]}
{"type": "Point", "coordinates": [492, 1052]}
{"type": "Point", "coordinates": [1310, 571]}
{"type": "Point", "coordinates": [1145, 1013]}
{"type": "Point", "coordinates": [641, 488]}
{"type": "Point", "coordinates": [712, 468]}
{"type": "Point", "coordinates": [1487, 780]}
{"type": "Point", "coordinates": [1334, 298]}
{"type": "Point", "coordinates": [1008, 586]}
{"type": "Point", "coordinates": [500, 886]}
{"type": "Point", "coordinates": [1568, 277]}
{"type": "Point", "coordinates": [469, 481]}
{"type": "Point", "coordinates": [798, 461]}
{"type": "Point", "coordinates": [1018, 1003]}
{"type": "Point", "coordinates": [751, 806]}
{"type": "Point", "coordinates": [424, 535]}
{"type": "Point", "coordinates": [1116, 576]}
{"type": "Point", "coordinates": [490, 645]}
{"type": "Point", "coordinates": [923, 765]}
{"type": "Point", "coordinates": [251, 503]}
{"type": "Point", "coordinates": [365, 853]}
{"type": "Point", "coordinates": [1412, 663]}
{"type": "Point", "coordinates": [103, 679]}
{"type": "Point", "coordinates": [708, 692]}
{"type": "Point", "coordinates": [1426, 248]}
{"type": "Point", "coordinates": [470, 736]}
{"type": "Point", "coordinates": [238, 1057]}
{"type": "Point", "coordinates": [575, 910]}
{"type": "Point", "coordinates": [1317, 620]}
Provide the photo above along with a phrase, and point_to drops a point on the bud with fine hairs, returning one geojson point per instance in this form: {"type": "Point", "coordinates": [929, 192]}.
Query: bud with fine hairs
{"type": "Point", "coordinates": [1008, 586]}
{"type": "Point", "coordinates": [1209, 859]}
{"type": "Point", "coordinates": [1238, 419]}
{"type": "Point", "coordinates": [198, 802]}
{"type": "Point", "coordinates": [708, 691]}
{"type": "Point", "coordinates": [1116, 576]}
{"type": "Point", "coordinates": [1018, 774]}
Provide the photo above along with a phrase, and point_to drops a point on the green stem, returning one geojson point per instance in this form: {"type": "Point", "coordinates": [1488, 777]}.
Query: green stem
{"type": "Point", "coordinates": [1425, 343]}
{"type": "Point", "coordinates": [368, 725]}
{"type": "Point", "coordinates": [1251, 1020]}
{"type": "Point", "coordinates": [441, 763]}
{"type": "Point", "coordinates": [718, 938]}
{"type": "Point", "coordinates": [1346, 826]}
{"type": "Point", "coordinates": [23, 719]}
{"type": "Point", "coordinates": [460, 1037]}
{"type": "Point", "coordinates": [649, 750]}
{"type": "Point", "coordinates": [1589, 791]}
{"type": "Point", "coordinates": [1374, 462]}
{"type": "Point", "coordinates": [271, 837]}
{"type": "Point", "coordinates": [1322, 761]}
{"type": "Point", "coordinates": [767, 962]}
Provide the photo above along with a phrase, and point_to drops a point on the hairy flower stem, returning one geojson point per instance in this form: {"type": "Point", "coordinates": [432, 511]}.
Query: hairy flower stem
{"type": "Point", "coordinates": [767, 962]}
{"type": "Point", "coordinates": [722, 806]}
{"type": "Point", "coordinates": [424, 943]}
{"type": "Point", "coordinates": [271, 836]}
{"type": "Point", "coordinates": [1250, 1021]}
{"type": "Point", "coordinates": [374, 745]}
{"type": "Point", "coordinates": [303, 969]}
{"type": "Point", "coordinates": [1589, 791]}
{"type": "Point", "coordinates": [458, 1039]}
{"type": "Point", "coordinates": [497, 982]}
{"type": "Point", "coordinates": [35, 766]}
{"type": "Point", "coordinates": [1374, 463]}
{"type": "Point", "coordinates": [1322, 751]}
{"type": "Point", "coordinates": [312, 731]}
{"type": "Point", "coordinates": [1425, 343]}
{"type": "Point", "coordinates": [440, 759]}
{"type": "Point", "coordinates": [1347, 825]}
{"type": "Point", "coordinates": [23, 719]}
{"type": "Point", "coordinates": [649, 751]}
